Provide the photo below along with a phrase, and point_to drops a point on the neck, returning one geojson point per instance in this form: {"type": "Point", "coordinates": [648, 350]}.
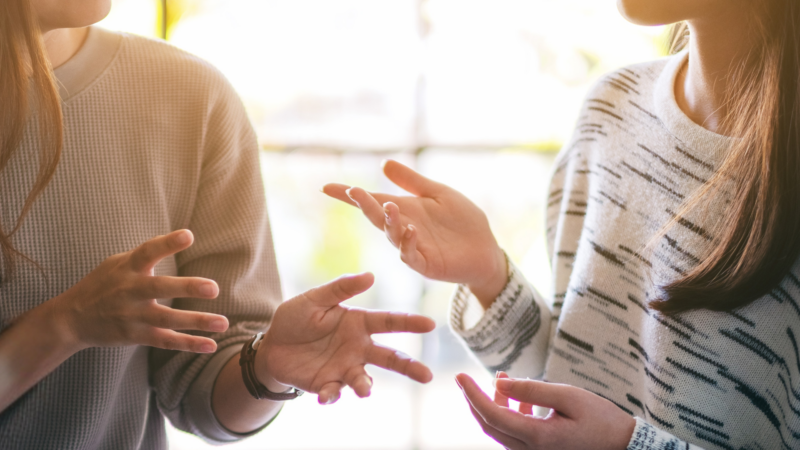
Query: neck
{"type": "Point", "coordinates": [61, 44]}
{"type": "Point", "coordinates": [716, 45]}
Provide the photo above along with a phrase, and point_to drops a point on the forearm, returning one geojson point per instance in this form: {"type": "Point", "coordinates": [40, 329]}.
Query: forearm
{"type": "Point", "coordinates": [35, 345]}
{"type": "Point", "coordinates": [233, 405]}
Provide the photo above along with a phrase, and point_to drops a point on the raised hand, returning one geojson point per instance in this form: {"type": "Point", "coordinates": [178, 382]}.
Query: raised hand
{"type": "Point", "coordinates": [318, 345]}
{"type": "Point", "coordinates": [440, 233]}
{"type": "Point", "coordinates": [578, 419]}
{"type": "Point", "coordinates": [115, 305]}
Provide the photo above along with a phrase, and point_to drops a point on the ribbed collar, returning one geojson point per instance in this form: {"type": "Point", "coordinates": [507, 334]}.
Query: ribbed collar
{"type": "Point", "coordinates": [86, 66]}
{"type": "Point", "coordinates": [699, 140]}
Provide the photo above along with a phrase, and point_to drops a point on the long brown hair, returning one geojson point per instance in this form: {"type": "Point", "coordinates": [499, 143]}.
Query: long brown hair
{"type": "Point", "coordinates": [27, 91]}
{"type": "Point", "coordinates": [757, 242]}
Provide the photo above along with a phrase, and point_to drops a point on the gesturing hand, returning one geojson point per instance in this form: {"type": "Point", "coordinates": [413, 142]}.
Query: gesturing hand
{"type": "Point", "coordinates": [319, 346]}
{"type": "Point", "coordinates": [440, 233]}
{"type": "Point", "coordinates": [578, 419]}
{"type": "Point", "coordinates": [115, 304]}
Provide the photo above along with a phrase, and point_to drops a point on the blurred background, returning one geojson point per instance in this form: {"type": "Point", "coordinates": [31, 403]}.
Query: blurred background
{"type": "Point", "coordinates": [479, 94]}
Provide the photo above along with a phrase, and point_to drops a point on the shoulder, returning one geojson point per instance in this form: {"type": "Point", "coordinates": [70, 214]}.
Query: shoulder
{"type": "Point", "coordinates": [627, 87]}
{"type": "Point", "coordinates": [154, 67]}
{"type": "Point", "coordinates": [619, 107]}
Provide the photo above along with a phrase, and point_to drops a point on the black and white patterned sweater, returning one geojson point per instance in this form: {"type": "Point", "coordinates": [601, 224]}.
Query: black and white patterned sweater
{"type": "Point", "coordinates": [703, 379]}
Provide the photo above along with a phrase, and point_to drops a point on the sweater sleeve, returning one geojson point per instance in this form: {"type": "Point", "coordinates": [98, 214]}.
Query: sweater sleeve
{"type": "Point", "coordinates": [648, 437]}
{"type": "Point", "coordinates": [233, 246]}
{"type": "Point", "coordinates": [513, 334]}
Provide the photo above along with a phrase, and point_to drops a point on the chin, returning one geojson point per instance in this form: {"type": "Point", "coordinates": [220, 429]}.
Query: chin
{"type": "Point", "coordinates": [55, 14]}
{"type": "Point", "coordinates": [657, 12]}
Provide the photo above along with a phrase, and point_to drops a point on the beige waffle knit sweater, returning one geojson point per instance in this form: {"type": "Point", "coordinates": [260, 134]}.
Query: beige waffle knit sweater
{"type": "Point", "coordinates": [155, 140]}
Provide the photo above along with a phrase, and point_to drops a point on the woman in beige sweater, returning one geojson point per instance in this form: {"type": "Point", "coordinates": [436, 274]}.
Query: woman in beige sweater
{"type": "Point", "coordinates": [106, 162]}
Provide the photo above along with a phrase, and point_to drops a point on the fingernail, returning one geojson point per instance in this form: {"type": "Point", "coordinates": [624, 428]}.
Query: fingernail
{"type": "Point", "coordinates": [182, 238]}
{"type": "Point", "coordinates": [457, 382]}
{"type": "Point", "coordinates": [219, 325]}
{"type": "Point", "coordinates": [207, 289]}
{"type": "Point", "coordinates": [207, 348]}
{"type": "Point", "coordinates": [388, 218]}
{"type": "Point", "coordinates": [502, 384]}
{"type": "Point", "coordinates": [497, 374]}
{"type": "Point", "coordinates": [348, 192]}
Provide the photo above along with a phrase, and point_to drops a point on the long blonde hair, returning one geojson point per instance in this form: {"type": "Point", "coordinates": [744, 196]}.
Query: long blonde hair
{"type": "Point", "coordinates": [757, 242]}
{"type": "Point", "coordinates": [27, 90]}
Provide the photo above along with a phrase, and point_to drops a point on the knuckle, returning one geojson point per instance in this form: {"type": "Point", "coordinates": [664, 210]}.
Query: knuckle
{"type": "Point", "coordinates": [145, 250]}
{"type": "Point", "coordinates": [392, 360]}
{"type": "Point", "coordinates": [490, 420]}
{"type": "Point", "coordinates": [127, 334]}
{"type": "Point", "coordinates": [338, 291]}
{"type": "Point", "coordinates": [170, 343]}
{"type": "Point", "coordinates": [529, 390]}
{"type": "Point", "coordinates": [162, 321]}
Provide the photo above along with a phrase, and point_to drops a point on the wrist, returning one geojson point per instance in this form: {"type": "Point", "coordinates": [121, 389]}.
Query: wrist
{"type": "Point", "coordinates": [263, 372]}
{"type": "Point", "coordinates": [48, 319]}
{"type": "Point", "coordinates": [488, 289]}
{"type": "Point", "coordinates": [59, 323]}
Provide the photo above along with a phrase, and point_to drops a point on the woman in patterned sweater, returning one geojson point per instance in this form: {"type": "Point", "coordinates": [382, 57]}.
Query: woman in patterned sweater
{"type": "Point", "coordinates": [672, 224]}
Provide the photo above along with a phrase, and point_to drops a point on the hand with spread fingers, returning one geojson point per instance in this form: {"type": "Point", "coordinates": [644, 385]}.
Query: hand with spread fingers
{"type": "Point", "coordinates": [318, 345]}
{"type": "Point", "coordinates": [115, 304]}
{"type": "Point", "coordinates": [578, 419]}
{"type": "Point", "coordinates": [440, 233]}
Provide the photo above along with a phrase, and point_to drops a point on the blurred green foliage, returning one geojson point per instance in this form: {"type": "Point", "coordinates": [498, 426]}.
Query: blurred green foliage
{"type": "Point", "coordinates": [176, 10]}
{"type": "Point", "coordinates": [341, 247]}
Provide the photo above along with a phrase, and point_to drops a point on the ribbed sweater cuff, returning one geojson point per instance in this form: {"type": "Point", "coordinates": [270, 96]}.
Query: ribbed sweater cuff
{"type": "Point", "coordinates": [197, 403]}
{"type": "Point", "coordinates": [512, 334]}
{"type": "Point", "coordinates": [648, 437]}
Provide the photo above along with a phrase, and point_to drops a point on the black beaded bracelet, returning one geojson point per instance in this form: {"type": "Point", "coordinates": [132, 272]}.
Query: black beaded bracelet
{"type": "Point", "coordinates": [256, 389]}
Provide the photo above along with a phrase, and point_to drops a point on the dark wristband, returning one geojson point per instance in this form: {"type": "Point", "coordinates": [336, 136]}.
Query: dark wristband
{"type": "Point", "coordinates": [257, 390]}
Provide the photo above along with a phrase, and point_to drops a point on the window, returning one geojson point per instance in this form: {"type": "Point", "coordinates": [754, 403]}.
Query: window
{"type": "Point", "coordinates": [479, 94]}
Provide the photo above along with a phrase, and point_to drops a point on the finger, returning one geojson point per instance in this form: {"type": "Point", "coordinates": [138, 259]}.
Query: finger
{"type": "Point", "coordinates": [330, 393]}
{"type": "Point", "coordinates": [397, 322]}
{"type": "Point", "coordinates": [500, 399]}
{"type": "Point", "coordinates": [358, 380]}
{"type": "Point", "coordinates": [339, 192]}
{"type": "Point", "coordinates": [526, 408]}
{"type": "Point", "coordinates": [504, 419]}
{"type": "Point", "coordinates": [340, 289]}
{"type": "Point", "coordinates": [172, 340]}
{"type": "Point", "coordinates": [390, 359]}
{"type": "Point", "coordinates": [502, 438]}
{"type": "Point", "coordinates": [175, 319]}
{"type": "Point", "coordinates": [144, 257]}
{"type": "Point", "coordinates": [369, 206]}
{"type": "Point", "coordinates": [561, 397]}
{"type": "Point", "coordinates": [409, 180]}
{"type": "Point", "coordinates": [175, 287]}
{"type": "Point", "coordinates": [393, 225]}
{"type": "Point", "coordinates": [408, 250]}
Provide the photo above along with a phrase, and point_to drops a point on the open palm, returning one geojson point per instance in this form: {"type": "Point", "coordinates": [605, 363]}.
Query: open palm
{"type": "Point", "coordinates": [318, 345]}
{"type": "Point", "coordinates": [440, 233]}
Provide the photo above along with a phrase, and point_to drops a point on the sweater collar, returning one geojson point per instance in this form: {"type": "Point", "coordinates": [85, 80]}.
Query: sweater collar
{"type": "Point", "coordinates": [698, 139]}
{"type": "Point", "coordinates": [86, 66]}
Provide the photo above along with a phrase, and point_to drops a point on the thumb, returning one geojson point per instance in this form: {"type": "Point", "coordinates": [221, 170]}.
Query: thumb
{"type": "Point", "coordinates": [340, 289]}
{"type": "Point", "coordinates": [409, 180]}
{"type": "Point", "coordinates": [560, 397]}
